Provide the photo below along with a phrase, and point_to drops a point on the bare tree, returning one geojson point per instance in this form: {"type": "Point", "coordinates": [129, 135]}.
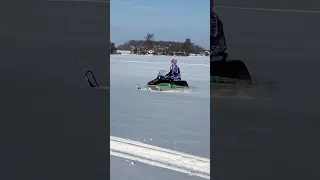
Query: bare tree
{"type": "Point", "coordinates": [149, 39]}
{"type": "Point", "coordinates": [187, 46]}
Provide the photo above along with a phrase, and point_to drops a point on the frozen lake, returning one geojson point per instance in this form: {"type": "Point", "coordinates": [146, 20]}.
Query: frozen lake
{"type": "Point", "coordinates": [178, 121]}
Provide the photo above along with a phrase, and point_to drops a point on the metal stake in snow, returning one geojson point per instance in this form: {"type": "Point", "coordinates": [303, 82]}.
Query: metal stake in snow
{"type": "Point", "coordinates": [91, 84]}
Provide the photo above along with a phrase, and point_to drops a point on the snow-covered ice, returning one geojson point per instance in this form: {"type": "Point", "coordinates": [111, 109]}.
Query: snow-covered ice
{"type": "Point", "coordinates": [123, 169]}
{"type": "Point", "coordinates": [160, 157]}
{"type": "Point", "coordinates": [178, 121]}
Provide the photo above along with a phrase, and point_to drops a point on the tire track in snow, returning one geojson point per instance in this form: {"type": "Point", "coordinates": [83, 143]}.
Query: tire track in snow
{"type": "Point", "coordinates": [160, 157]}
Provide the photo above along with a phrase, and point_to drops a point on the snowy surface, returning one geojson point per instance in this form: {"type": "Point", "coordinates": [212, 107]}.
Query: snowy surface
{"type": "Point", "coordinates": [174, 120]}
{"type": "Point", "coordinates": [160, 157]}
{"type": "Point", "coordinates": [123, 169]}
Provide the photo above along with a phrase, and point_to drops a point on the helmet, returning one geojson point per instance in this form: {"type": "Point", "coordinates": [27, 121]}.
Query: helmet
{"type": "Point", "coordinates": [174, 61]}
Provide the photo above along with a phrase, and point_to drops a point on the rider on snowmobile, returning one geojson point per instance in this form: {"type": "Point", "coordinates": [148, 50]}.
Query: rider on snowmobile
{"type": "Point", "coordinates": [218, 50]}
{"type": "Point", "coordinates": [174, 73]}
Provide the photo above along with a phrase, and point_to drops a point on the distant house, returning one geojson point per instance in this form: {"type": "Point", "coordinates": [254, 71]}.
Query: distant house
{"type": "Point", "coordinates": [179, 53]}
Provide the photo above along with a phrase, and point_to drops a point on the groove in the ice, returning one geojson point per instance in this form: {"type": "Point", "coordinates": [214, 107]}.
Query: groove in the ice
{"type": "Point", "coordinates": [160, 157]}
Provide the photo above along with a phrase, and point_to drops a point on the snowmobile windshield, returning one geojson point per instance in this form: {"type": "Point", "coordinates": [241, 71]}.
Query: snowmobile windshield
{"type": "Point", "coordinates": [161, 73]}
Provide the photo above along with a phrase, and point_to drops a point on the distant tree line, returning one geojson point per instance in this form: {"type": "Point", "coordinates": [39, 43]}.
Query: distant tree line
{"type": "Point", "coordinates": [150, 46]}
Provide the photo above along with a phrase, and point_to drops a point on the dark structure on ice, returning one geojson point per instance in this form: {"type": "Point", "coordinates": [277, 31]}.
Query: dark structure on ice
{"type": "Point", "coordinates": [113, 49]}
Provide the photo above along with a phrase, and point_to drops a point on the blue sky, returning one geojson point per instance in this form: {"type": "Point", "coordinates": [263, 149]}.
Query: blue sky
{"type": "Point", "coordinates": [173, 20]}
